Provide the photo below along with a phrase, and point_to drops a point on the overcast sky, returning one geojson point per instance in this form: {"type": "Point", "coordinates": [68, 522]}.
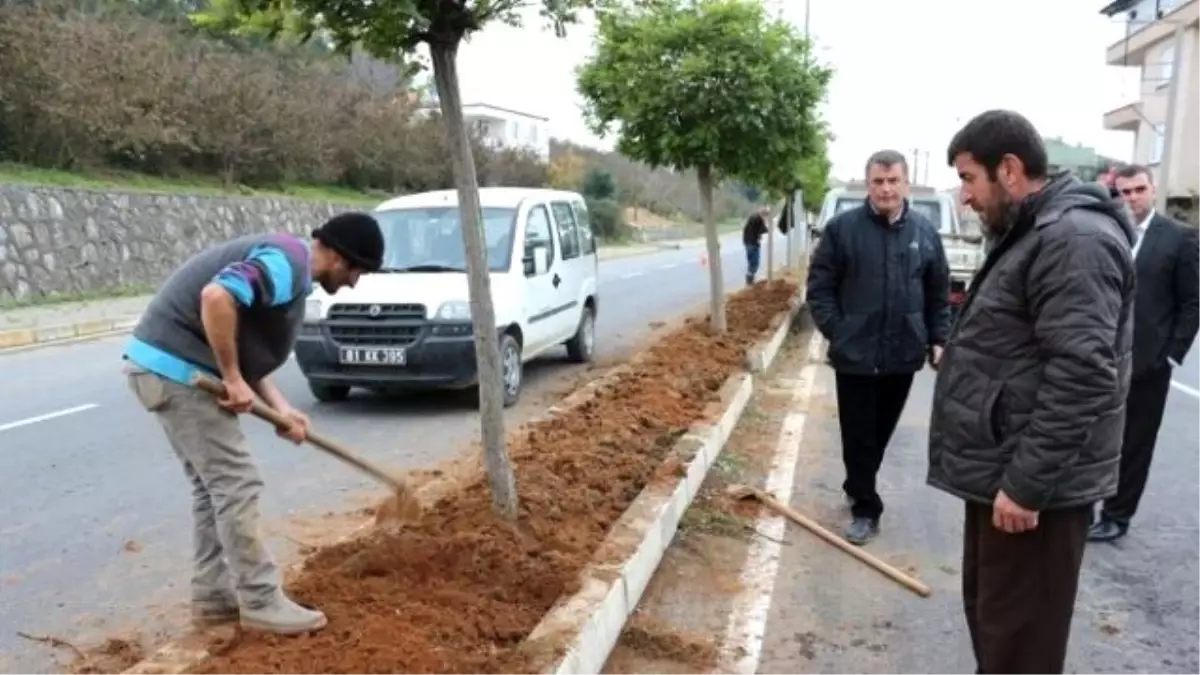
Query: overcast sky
{"type": "Point", "coordinates": [908, 74]}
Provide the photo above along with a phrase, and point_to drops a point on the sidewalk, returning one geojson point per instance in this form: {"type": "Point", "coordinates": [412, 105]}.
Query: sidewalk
{"type": "Point", "coordinates": [740, 594]}
{"type": "Point", "coordinates": [66, 321]}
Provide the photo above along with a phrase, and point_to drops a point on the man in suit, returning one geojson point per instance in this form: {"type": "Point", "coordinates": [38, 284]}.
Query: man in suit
{"type": "Point", "coordinates": [1166, 315]}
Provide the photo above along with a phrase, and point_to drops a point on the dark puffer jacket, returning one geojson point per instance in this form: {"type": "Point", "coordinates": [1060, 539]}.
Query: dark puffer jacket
{"type": "Point", "coordinates": [880, 292]}
{"type": "Point", "coordinates": [1030, 395]}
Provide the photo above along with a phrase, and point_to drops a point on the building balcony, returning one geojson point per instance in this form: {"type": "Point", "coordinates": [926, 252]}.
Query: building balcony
{"type": "Point", "coordinates": [1142, 35]}
{"type": "Point", "coordinates": [1126, 118]}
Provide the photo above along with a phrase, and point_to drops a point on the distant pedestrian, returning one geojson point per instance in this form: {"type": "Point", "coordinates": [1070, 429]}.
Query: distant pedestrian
{"type": "Point", "coordinates": [752, 234]}
{"type": "Point", "coordinates": [1165, 319]}
{"type": "Point", "coordinates": [1029, 402]}
{"type": "Point", "coordinates": [232, 312]}
{"type": "Point", "coordinates": [879, 291]}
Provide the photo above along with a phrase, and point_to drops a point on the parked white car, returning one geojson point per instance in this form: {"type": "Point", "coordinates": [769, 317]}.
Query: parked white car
{"type": "Point", "coordinates": [408, 326]}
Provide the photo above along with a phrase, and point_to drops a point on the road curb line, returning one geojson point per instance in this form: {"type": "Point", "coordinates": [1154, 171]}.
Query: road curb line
{"type": "Point", "coordinates": [742, 643]}
{"type": "Point", "coordinates": [65, 332]}
{"type": "Point", "coordinates": [590, 622]}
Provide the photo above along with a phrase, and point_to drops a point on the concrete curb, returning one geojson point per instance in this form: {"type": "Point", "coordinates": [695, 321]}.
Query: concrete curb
{"type": "Point", "coordinates": [590, 622]}
{"type": "Point", "coordinates": [760, 357]}
{"type": "Point", "coordinates": [66, 332]}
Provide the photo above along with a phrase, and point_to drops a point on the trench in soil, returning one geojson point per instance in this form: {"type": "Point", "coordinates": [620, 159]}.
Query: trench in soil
{"type": "Point", "coordinates": [460, 589]}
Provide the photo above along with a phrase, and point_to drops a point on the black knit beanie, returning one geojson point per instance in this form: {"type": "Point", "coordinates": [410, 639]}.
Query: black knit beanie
{"type": "Point", "coordinates": [356, 237]}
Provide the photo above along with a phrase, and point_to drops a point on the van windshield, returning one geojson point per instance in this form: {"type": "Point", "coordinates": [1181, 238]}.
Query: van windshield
{"type": "Point", "coordinates": [430, 239]}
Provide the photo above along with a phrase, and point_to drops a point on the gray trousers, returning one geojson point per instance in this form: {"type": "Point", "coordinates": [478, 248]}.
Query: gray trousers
{"type": "Point", "coordinates": [229, 553]}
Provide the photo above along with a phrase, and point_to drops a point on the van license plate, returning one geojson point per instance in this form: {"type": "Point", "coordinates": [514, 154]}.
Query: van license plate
{"type": "Point", "coordinates": [372, 356]}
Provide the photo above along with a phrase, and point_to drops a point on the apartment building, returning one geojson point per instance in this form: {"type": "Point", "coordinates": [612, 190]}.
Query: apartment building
{"type": "Point", "coordinates": [504, 127]}
{"type": "Point", "coordinates": [1161, 40]}
{"type": "Point", "coordinates": [499, 127]}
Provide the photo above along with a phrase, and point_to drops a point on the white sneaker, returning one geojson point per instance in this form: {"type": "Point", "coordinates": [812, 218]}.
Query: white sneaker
{"type": "Point", "coordinates": [283, 616]}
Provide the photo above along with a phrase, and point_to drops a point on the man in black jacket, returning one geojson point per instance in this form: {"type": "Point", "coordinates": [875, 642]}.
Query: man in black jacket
{"type": "Point", "coordinates": [1029, 402]}
{"type": "Point", "coordinates": [1165, 319]}
{"type": "Point", "coordinates": [752, 234]}
{"type": "Point", "coordinates": [879, 291]}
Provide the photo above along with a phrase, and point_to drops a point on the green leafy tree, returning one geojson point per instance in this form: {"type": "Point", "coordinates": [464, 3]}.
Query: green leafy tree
{"type": "Point", "coordinates": [814, 180]}
{"type": "Point", "coordinates": [389, 30]}
{"type": "Point", "coordinates": [711, 85]}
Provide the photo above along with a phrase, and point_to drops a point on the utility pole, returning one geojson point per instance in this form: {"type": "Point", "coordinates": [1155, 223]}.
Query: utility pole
{"type": "Point", "coordinates": [1172, 123]}
{"type": "Point", "coordinates": [916, 168]}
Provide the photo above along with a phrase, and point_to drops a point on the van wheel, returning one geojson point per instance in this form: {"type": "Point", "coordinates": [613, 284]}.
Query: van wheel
{"type": "Point", "coordinates": [581, 348]}
{"type": "Point", "coordinates": [512, 371]}
{"type": "Point", "coordinates": [329, 393]}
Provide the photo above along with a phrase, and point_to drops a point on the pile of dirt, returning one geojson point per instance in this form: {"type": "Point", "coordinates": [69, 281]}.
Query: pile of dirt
{"type": "Point", "coordinates": [459, 590]}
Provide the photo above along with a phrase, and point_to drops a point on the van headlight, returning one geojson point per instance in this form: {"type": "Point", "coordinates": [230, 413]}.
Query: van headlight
{"type": "Point", "coordinates": [454, 310]}
{"type": "Point", "coordinates": [312, 310]}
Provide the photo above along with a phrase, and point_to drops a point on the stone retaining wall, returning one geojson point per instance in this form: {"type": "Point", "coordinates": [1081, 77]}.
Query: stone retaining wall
{"type": "Point", "coordinates": [57, 241]}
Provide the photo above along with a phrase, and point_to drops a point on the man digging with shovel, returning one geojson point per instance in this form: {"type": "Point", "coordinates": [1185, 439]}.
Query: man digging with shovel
{"type": "Point", "coordinates": [233, 312]}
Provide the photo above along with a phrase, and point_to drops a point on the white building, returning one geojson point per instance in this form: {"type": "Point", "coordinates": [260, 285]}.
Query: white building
{"type": "Point", "coordinates": [504, 127]}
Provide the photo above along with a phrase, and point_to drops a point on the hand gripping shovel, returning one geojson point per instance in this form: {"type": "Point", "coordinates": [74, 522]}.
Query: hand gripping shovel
{"type": "Point", "coordinates": [405, 502]}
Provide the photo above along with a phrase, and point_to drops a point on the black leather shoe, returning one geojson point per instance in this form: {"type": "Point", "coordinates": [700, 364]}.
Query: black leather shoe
{"type": "Point", "coordinates": [861, 530]}
{"type": "Point", "coordinates": [1107, 530]}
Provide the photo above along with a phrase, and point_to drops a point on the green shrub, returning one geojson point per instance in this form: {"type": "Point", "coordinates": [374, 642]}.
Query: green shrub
{"type": "Point", "coordinates": [598, 184]}
{"type": "Point", "coordinates": [606, 219]}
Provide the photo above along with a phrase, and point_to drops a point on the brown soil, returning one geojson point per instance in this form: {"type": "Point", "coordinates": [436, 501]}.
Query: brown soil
{"type": "Point", "coordinates": [114, 655]}
{"type": "Point", "coordinates": [653, 640]}
{"type": "Point", "coordinates": [459, 590]}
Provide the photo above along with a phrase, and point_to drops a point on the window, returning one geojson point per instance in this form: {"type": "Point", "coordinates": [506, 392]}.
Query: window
{"type": "Point", "coordinates": [1166, 67]}
{"type": "Point", "coordinates": [432, 239]}
{"type": "Point", "coordinates": [584, 225]}
{"type": "Point", "coordinates": [537, 235]}
{"type": "Point", "coordinates": [1157, 143]}
{"type": "Point", "coordinates": [566, 229]}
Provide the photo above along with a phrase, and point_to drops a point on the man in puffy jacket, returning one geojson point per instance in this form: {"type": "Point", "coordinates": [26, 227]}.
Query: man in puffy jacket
{"type": "Point", "coordinates": [879, 291]}
{"type": "Point", "coordinates": [1029, 403]}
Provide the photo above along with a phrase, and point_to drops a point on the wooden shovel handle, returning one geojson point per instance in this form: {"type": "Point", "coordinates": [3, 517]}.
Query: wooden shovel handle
{"type": "Point", "coordinates": [813, 526]}
{"type": "Point", "coordinates": [265, 412]}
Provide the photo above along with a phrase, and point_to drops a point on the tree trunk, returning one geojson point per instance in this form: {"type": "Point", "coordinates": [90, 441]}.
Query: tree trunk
{"type": "Point", "coordinates": [479, 286]}
{"type": "Point", "coordinates": [715, 277]}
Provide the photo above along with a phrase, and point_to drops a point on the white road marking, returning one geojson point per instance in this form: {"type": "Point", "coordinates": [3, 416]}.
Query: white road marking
{"type": "Point", "coordinates": [748, 622]}
{"type": "Point", "coordinates": [48, 416]}
{"type": "Point", "coordinates": [632, 275]}
{"type": "Point", "coordinates": [1194, 393]}
{"type": "Point", "coordinates": [669, 267]}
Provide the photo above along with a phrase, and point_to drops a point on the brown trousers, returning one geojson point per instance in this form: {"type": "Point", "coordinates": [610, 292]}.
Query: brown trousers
{"type": "Point", "coordinates": [1019, 589]}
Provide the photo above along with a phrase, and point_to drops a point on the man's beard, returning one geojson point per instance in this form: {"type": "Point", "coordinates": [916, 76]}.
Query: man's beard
{"type": "Point", "coordinates": [997, 216]}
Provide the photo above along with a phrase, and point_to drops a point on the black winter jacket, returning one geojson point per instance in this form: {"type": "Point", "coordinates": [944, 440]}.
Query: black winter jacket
{"type": "Point", "coordinates": [880, 293]}
{"type": "Point", "coordinates": [1030, 394]}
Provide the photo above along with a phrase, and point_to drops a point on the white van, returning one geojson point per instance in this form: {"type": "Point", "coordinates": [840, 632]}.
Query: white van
{"type": "Point", "coordinates": [408, 326]}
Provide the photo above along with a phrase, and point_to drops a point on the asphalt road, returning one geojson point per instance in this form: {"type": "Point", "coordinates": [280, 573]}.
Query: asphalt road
{"type": "Point", "coordinates": [1137, 609]}
{"type": "Point", "coordinates": [85, 470]}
